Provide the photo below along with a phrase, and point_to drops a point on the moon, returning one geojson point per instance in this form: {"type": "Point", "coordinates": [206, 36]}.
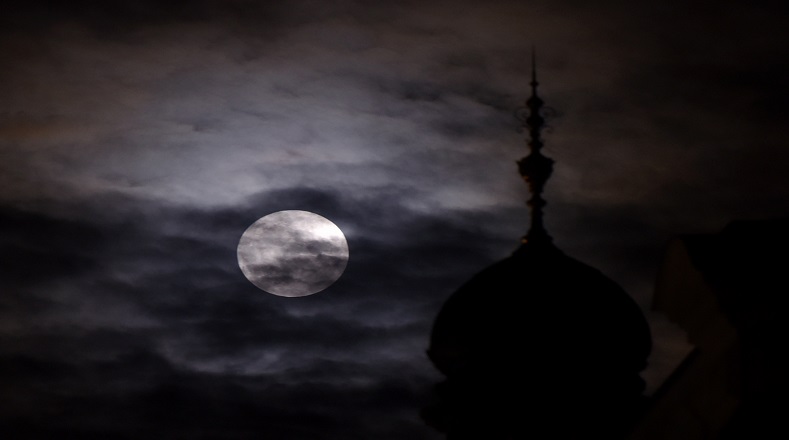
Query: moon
{"type": "Point", "coordinates": [292, 253]}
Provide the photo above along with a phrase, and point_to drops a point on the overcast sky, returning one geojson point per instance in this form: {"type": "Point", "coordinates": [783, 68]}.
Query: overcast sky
{"type": "Point", "coordinates": [138, 141]}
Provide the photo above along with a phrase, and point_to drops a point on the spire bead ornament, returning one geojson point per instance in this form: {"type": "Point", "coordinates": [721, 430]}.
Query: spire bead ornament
{"type": "Point", "coordinates": [535, 168]}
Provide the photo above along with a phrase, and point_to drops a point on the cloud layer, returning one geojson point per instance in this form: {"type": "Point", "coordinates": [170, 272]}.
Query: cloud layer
{"type": "Point", "coordinates": [139, 140]}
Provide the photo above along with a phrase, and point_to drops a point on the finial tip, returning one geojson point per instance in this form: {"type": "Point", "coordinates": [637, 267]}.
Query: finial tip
{"type": "Point", "coordinates": [533, 66]}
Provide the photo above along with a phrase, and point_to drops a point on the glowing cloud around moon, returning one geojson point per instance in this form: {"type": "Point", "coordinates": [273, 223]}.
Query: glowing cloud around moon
{"type": "Point", "coordinates": [292, 253]}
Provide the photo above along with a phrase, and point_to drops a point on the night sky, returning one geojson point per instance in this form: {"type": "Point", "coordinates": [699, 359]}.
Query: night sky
{"type": "Point", "coordinates": [139, 140]}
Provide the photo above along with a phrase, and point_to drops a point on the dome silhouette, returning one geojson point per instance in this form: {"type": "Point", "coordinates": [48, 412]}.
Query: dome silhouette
{"type": "Point", "coordinates": [544, 338]}
{"type": "Point", "coordinates": [539, 300]}
{"type": "Point", "coordinates": [539, 342]}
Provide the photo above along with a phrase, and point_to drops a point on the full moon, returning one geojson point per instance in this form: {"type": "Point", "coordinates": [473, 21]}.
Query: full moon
{"type": "Point", "coordinates": [292, 253]}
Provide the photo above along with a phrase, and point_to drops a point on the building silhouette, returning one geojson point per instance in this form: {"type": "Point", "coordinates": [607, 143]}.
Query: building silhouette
{"type": "Point", "coordinates": [538, 344]}
{"type": "Point", "coordinates": [730, 293]}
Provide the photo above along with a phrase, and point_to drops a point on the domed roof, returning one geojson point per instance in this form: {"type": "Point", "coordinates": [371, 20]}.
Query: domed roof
{"type": "Point", "coordinates": [538, 339]}
{"type": "Point", "coordinates": [540, 303]}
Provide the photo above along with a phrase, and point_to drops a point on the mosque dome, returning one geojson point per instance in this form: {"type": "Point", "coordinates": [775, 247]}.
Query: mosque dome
{"type": "Point", "coordinates": [542, 313]}
{"type": "Point", "coordinates": [538, 339]}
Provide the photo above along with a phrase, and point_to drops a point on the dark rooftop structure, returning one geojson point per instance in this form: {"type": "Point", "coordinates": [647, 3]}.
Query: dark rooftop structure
{"type": "Point", "coordinates": [538, 342]}
{"type": "Point", "coordinates": [728, 291]}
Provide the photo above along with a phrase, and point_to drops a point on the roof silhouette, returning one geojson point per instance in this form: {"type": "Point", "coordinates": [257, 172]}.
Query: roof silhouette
{"type": "Point", "coordinates": [539, 341]}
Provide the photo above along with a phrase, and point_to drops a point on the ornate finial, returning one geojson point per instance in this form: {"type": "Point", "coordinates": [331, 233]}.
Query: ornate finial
{"type": "Point", "coordinates": [535, 168]}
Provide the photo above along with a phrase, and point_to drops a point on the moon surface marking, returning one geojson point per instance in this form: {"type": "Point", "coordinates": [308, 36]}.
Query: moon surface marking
{"type": "Point", "coordinates": [292, 253]}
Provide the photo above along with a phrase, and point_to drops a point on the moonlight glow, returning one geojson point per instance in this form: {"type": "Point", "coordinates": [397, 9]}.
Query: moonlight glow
{"type": "Point", "coordinates": [292, 253]}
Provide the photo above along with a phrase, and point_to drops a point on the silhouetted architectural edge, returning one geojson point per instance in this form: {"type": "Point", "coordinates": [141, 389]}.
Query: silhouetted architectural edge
{"type": "Point", "coordinates": [538, 343]}
{"type": "Point", "coordinates": [729, 292]}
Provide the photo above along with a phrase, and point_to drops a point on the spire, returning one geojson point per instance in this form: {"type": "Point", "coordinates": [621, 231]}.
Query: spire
{"type": "Point", "coordinates": [535, 168]}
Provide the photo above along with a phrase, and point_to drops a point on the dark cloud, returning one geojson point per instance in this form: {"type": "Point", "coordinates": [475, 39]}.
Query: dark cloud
{"type": "Point", "coordinates": [166, 338]}
{"type": "Point", "coordinates": [37, 248]}
{"type": "Point", "coordinates": [140, 139]}
{"type": "Point", "coordinates": [120, 17]}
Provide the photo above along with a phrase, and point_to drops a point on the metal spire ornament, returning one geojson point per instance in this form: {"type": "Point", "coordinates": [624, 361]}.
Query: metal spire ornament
{"type": "Point", "coordinates": [535, 168]}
